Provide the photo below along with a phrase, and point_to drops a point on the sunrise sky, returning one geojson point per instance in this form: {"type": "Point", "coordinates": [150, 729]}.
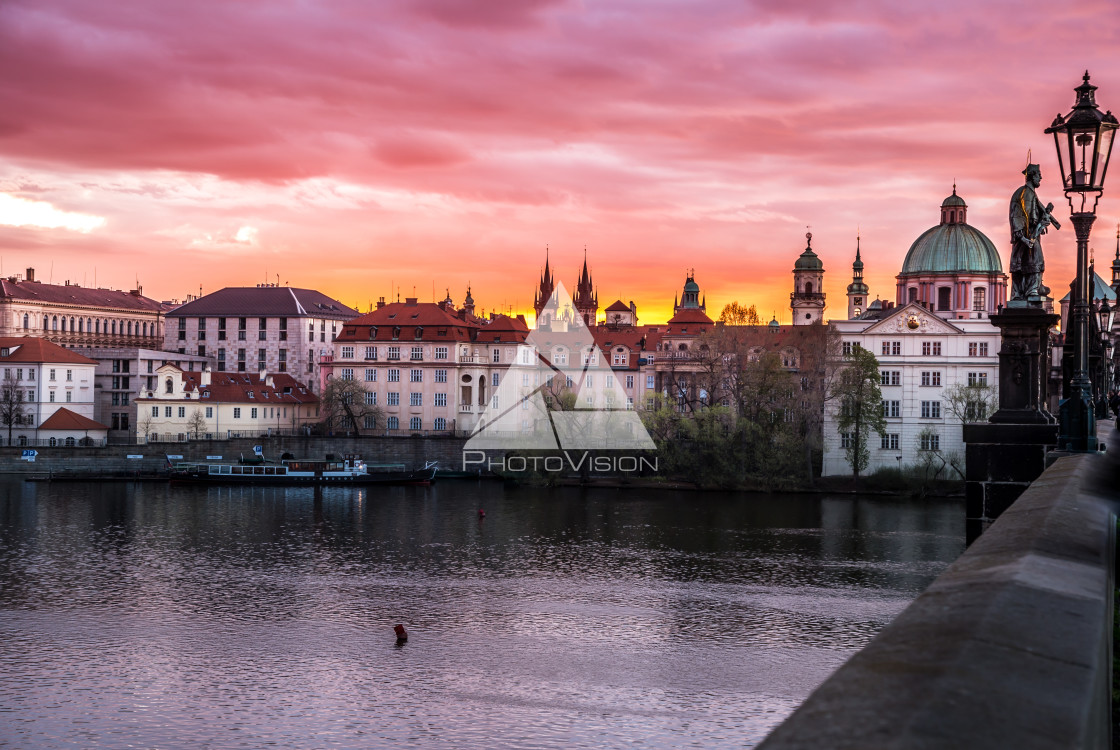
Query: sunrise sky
{"type": "Point", "coordinates": [360, 146]}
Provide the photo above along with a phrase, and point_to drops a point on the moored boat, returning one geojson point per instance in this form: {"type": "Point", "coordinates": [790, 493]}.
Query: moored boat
{"type": "Point", "coordinates": [301, 472]}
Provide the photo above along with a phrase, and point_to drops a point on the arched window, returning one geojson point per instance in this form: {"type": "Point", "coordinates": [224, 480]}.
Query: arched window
{"type": "Point", "coordinates": [114, 328]}
{"type": "Point", "coordinates": [130, 328]}
{"type": "Point", "coordinates": [912, 294]}
{"type": "Point", "coordinates": [145, 329]}
{"type": "Point", "coordinates": [26, 322]}
{"type": "Point", "coordinates": [808, 287]}
{"type": "Point", "coordinates": [98, 326]}
{"type": "Point", "coordinates": [46, 323]}
{"type": "Point", "coordinates": [70, 442]}
{"type": "Point", "coordinates": [89, 325]}
{"type": "Point", "coordinates": [169, 386]}
{"type": "Point", "coordinates": [54, 323]}
{"type": "Point", "coordinates": [71, 325]}
{"type": "Point", "coordinates": [683, 347]}
{"type": "Point", "coordinates": [979, 299]}
{"type": "Point", "coordinates": [81, 326]}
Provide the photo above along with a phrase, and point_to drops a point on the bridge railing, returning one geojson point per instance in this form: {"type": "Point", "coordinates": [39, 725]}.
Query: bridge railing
{"type": "Point", "coordinates": [1011, 647]}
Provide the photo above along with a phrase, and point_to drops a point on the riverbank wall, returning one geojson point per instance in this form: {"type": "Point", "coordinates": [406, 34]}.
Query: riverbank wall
{"type": "Point", "coordinates": [1011, 647]}
{"type": "Point", "coordinates": [412, 452]}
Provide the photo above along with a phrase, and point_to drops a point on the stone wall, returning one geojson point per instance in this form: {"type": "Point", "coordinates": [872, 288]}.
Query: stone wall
{"type": "Point", "coordinates": [1011, 647]}
{"type": "Point", "coordinates": [413, 452]}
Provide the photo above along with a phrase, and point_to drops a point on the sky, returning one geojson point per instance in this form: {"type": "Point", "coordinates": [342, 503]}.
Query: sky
{"type": "Point", "coordinates": [370, 149]}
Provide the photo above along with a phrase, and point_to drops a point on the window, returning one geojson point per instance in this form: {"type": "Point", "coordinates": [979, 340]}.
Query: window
{"type": "Point", "coordinates": [283, 329]}
{"type": "Point", "coordinates": [167, 412]}
{"type": "Point", "coordinates": [392, 423]}
{"type": "Point", "coordinates": [415, 399]}
{"type": "Point", "coordinates": [416, 376]}
{"type": "Point", "coordinates": [394, 352]}
{"type": "Point", "coordinates": [182, 412]}
{"type": "Point", "coordinates": [892, 348]}
{"type": "Point", "coordinates": [371, 375]}
{"type": "Point", "coordinates": [886, 377]}
{"type": "Point", "coordinates": [892, 409]}
{"type": "Point", "coordinates": [155, 411]}
{"type": "Point", "coordinates": [441, 376]}
{"type": "Point", "coordinates": [931, 377]}
{"type": "Point", "coordinates": [417, 353]}
{"type": "Point", "coordinates": [495, 378]}
{"type": "Point", "coordinates": [283, 363]}
{"type": "Point", "coordinates": [347, 373]}
{"type": "Point", "coordinates": [369, 422]}
{"type": "Point", "coordinates": [931, 348]}
{"type": "Point", "coordinates": [414, 423]}
{"type": "Point", "coordinates": [889, 441]}
{"type": "Point", "coordinates": [392, 399]}
{"type": "Point", "coordinates": [68, 395]}
{"type": "Point", "coordinates": [978, 348]}
{"type": "Point", "coordinates": [260, 358]}
{"type": "Point", "coordinates": [619, 357]}
{"type": "Point", "coordinates": [649, 382]}
{"type": "Point", "coordinates": [371, 352]}
{"type": "Point", "coordinates": [237, 412]}
{"type": "Point", "coordinates": [394, 375]}
{"type": "Point", "coordinates": [441, 352]}
{"type": "Point", "coordinates": [241, 329]}
{"type": "Point", "coordinates": [347, 352]}
{"type": "Point", "coordinates": [253, 413]}
{"type": "Point", "coordinates": [847, 348]}
{"type": "Point", "coordinates": [845, 440]}
{"type": "Point", "coordinates": [930, 441]}
{"type": "Point", "coordinates": [944, 298]}
{"type": "Point", "coordinates": [978, 299]}
{"type": "Point", "coordinates": [241, 360]}
{"type": "Point", "coordinates": [931, 410]}
{"type": "Point", "coordinates": [441, 399]}
{"type": "Point", "coordinates": [209, 412]}
{"type": "Point", "coordinates": [440, 423]}
{"type": "Point", "coordinates": [977, 378]}
{"type": "Point", "coordinates": [371, 398]}
{"type": "Point", "coordinates": [51, 374]}
{"type": "Point", "coordinates": [629, 382]}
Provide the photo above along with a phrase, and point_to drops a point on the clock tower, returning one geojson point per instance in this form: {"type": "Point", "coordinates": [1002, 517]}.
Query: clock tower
{"type": "Point", "coordinates": [857, 290]}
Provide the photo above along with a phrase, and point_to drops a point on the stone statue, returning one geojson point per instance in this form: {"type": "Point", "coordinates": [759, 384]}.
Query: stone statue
{"type": "Point", "coordinates": [1029, 220]}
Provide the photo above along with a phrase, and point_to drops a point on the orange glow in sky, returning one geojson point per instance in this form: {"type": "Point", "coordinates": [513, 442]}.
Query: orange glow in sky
{"type": "Point", "coordinates": [414, 146]}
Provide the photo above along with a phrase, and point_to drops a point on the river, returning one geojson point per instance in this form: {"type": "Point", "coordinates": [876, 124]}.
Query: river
{"type": "Point", "coordinates": [156, 616]}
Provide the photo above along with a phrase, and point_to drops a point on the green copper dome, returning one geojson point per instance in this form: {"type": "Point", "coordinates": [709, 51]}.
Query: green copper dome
{"type": "Point", "coordinates": [952, 246]}
{"type": "Point", "coordinates": [808, 260]}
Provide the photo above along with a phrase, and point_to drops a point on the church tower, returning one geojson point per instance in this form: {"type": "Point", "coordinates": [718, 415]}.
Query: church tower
{"type": "Point", "coordinates": [857, 290]}
{"type": "Point", "coordinates": [807, 299]}
{"type": "Point", "coordinates": [546, 288]}
{"type": "Point", "coordinates": [690, 298]}
{"type": "Point", "coordinates": [586, 301]}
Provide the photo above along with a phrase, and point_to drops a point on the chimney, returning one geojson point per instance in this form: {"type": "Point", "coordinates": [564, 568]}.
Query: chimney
{"type": "Point", "coordinates": [205, 376]}
{"type": "Point", "coordinates": [264, 374]}
{"type": "Point", "coordinates": [269, 382]}
{"type": "Point", "coordinates": [380, 302]}
{"type": "Point", "coordinates": [410, 300]}
{"type": "Point", "coordinates": [30, 274]}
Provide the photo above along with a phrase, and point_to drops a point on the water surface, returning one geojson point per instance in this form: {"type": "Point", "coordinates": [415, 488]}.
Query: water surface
{"type": "Point", "coordinates": [144, 615]}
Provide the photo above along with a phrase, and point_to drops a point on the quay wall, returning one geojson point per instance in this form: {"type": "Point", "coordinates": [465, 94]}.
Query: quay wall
{"type": "Point", "coordinates": [1011, 647]}
{"type": "Point", "coordinates": [413, 452]}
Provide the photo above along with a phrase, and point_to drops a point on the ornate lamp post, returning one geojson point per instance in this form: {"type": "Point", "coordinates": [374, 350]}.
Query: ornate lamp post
{"type": "Point", "coordinates": [1105, 315]}
{"type": "Point", "coordinates": [1083, 139]}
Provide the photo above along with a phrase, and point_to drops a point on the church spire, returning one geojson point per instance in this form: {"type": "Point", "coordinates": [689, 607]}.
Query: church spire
{"type": "Point", "coordinates": [857, 290]}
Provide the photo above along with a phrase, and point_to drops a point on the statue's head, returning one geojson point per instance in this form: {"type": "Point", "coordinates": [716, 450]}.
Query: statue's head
{"type": "Point", "coordinates": [1034, 174]}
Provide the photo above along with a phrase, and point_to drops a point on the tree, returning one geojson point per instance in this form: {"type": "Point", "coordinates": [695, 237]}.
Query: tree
{"type": "Point", "coordinates": [196, 424]}
{"type": "Point", "coordinates": [860, 405]}
{"type": "Point", "coordinates": [11, 404]}
{"type": "Point", "coordinates": [970, 403]}
{"type": "Point", "coordinates": [734, 314]}
{"type": "Point", "coordinates": [145, 423]}
{"type": "Point", "coordinates": [344, 405]}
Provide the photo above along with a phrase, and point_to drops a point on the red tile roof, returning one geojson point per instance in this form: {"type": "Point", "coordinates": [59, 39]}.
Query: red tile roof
{"type": "Point", "coordinates": [72, 294]}
{"type": "Point", "coordinates": [690, 315]}
{"type": "Point", "coordinates": [31, 349]}
{"type": "Point", "coordinates": [618, 306]}
{"type": "Point", "coordinates": [436, 324]}
{"type": "Point", "coordinates": [64, 419]}
{"type": "Point", "coordinates": [235, 387]}
{"type": "Point", "coordinates": [265, 301]}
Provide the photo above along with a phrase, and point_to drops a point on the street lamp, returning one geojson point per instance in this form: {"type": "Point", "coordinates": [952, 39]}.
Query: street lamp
{"type": "Point", "coordinates": [1083, 140]}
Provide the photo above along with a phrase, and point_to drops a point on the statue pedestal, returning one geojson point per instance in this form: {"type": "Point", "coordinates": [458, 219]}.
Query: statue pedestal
{"type": "Point", "coordinates": [1007, 453]}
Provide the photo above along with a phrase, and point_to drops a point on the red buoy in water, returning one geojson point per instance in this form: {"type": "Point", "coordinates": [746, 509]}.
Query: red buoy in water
{"type": "Point", "coordinates": [481, 514]}
{"type": "Point", "coordinates": [402, 634]}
